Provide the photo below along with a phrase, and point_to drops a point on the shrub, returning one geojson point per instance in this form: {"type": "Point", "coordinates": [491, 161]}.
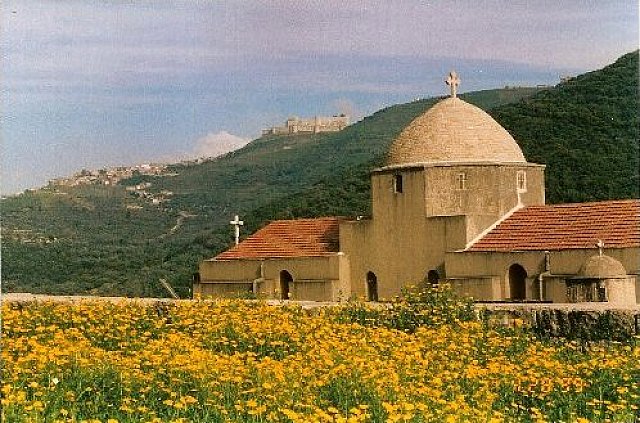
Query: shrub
{"type": "Point", "coordinates": [433, 305]}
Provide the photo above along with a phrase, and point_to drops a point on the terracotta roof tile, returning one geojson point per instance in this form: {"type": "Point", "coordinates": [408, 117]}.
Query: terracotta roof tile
{"type": "Point", "coordinates": [289, 238]}
{"type": "Point", "coordinates": [566, 226]}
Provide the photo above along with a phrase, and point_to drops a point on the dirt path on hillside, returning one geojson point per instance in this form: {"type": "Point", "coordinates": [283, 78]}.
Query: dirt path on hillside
{"type": "Point", "coordinates": [179, 221]}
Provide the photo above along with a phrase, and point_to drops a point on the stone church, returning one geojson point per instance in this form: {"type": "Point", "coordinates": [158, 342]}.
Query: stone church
{"type": "Point", "coordinates": [456, 202]}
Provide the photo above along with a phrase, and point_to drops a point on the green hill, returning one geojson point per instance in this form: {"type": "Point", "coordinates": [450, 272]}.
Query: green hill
{"type": "Point", "coordinates": [586, 131]}
{"type": "Point", "coordinates": [103, 240]}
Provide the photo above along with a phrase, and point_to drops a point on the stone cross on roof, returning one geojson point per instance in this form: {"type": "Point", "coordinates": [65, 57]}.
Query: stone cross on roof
{"type": "Point", "coordinates": [453, 81]}
{"type": "Point", "coordinates": [237, 223]}
{"type": "Point", "coordinates": [600, 246]}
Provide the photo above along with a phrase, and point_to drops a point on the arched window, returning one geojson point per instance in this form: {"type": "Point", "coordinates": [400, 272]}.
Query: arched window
{"type": "Point", "coordinates": [433, 277]}
{"type": "Point", "coordinates": [285, 282]}
{"type": "Point", "coordinates": [372, 286]}
{"type": "Point", "coordinates": [517, 282]}
{"type": "Point", "coordinates": [397, 184]}
{"type": "Point", "coordinates": [521, 181]}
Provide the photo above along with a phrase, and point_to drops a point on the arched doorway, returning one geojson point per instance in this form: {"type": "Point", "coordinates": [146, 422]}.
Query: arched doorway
{"type": "Point", "coordinates": [517, 282]}
{"type": "Point", "coordinates": [433, 277]}
{"type": "Point", "coordinates": [372, 286]}
{"type": "Point", "coordinates": [285, 284]}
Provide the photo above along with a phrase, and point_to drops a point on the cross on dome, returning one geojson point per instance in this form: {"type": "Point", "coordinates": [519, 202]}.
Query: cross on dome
{"type": "Point", "coordinates": [600, 246]}
{"type": "Point", "coordinates": [453, 81]}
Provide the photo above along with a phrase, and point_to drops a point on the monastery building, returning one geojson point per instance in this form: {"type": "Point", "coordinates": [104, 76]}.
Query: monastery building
{"type": "Point", "coordinates": [456, 202]}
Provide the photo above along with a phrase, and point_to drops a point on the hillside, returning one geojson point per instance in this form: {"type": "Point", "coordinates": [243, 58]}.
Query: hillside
{"type": "Point", "coordinates": [103, 240]}
{"type": "Point", "coordinates": [586, 131]}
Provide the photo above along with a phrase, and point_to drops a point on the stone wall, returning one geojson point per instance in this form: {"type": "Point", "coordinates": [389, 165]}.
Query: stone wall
{"type": "Point", "coordinates": [312, 278]}
{"type": "Point", "coordinates": [585, 322]}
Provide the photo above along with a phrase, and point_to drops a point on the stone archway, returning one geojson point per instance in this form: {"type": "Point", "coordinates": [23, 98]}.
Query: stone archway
{"type": "Point", "coordinates": [372, 286]}
{"type": "Point", "coordinates": [285, 284]}
{"type": "Point", "coordinates": [517, 282]}
{"type": "Point", "coordinates": [433, 277]}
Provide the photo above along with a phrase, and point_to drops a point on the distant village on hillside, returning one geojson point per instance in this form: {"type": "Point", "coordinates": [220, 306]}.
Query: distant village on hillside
{"type": "Point", "coordinates": [112, 176]}
{"type": "Point", "coordinates": [108, 176]}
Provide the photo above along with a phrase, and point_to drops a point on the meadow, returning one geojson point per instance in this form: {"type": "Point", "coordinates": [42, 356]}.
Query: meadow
{"type": "Point", "coordinates": [426, 359]}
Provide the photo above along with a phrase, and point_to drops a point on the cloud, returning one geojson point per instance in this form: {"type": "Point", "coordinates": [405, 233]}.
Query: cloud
{"type": "Point", "coordinates": [542, 32]}
{"type": "Point", "coordinates": [134, 78]}
{"type": "Point", "coordinates": [210, 145]}
{"type": "Point", "coordinates": [213, 145]}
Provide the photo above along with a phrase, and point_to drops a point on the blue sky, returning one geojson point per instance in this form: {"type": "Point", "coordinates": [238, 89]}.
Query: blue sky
{"type": "Point", "coordinates": [86, 84]}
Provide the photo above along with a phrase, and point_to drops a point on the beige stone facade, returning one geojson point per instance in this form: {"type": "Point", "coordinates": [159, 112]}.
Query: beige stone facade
{"type": "Point", "coordinates": [410, 231]}
{"type": "Point", "coordinates": [486, 275]}
{"type": "Point", "coordinates": [457, 202]}
{"type": "Point", "coordinates": [303, 279]}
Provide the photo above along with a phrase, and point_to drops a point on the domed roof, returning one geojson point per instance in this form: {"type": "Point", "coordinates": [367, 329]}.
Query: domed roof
{"type": "Point", "coordinates": [602, 267]}
{"type": "Point", "coordinates": [454, 131]}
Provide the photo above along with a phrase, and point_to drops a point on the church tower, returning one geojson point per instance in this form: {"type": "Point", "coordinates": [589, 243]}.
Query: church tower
{"type": "Point", "coordinates": [449, 177]}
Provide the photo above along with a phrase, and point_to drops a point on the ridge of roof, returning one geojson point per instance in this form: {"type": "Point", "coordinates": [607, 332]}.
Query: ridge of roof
{"type": "Point", "coordinates": [507, 215]}
{"type": "Point", "coordinates": [589, 203]}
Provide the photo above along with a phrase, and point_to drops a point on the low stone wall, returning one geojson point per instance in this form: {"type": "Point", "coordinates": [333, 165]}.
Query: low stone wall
{"type": "Point", "coordinates": [586, 322]}
{"type": "Point", "coordinates": [581, 321]}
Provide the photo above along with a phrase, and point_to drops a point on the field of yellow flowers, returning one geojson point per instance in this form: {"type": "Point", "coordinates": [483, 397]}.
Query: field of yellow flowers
{"type": "Point", "coordinates": [246, 361]}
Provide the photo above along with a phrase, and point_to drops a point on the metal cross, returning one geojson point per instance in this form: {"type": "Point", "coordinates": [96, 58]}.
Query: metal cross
{"type": "Point", "coordinates": [453, 81]}
{"type": "Point", "coordinates": [237, 223]}
{"type": "Point", "coordinates": [600, 246]}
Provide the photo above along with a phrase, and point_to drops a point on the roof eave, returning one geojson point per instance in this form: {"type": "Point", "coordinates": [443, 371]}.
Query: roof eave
{"type": "Point", "coordinates": [423, 165]}
{"type": "Point", "coordinates": [229, 259]}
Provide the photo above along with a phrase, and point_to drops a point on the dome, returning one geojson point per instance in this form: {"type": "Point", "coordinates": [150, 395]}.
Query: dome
{"type": "Point", "coordinates": [454, 131]}
{"type": "Point", "coordinates": [602, 267]}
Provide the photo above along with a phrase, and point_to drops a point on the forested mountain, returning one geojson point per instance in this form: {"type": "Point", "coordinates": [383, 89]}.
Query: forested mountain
{"type": "Point", "coordinates": [103, 240]}
{"type": "Point", "coordinates": [586, 131]}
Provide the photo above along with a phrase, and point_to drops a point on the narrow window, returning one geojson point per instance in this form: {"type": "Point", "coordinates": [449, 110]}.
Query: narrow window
{"type": "Point", "coordinates": [397, 184]}
{"type": "Point", "coordinates": [461, 181]}
{"type": "Point", "coordinates": [285, 285]}
{"type": "Point", "coordinates": [522, 181]}
{"type": "Point", "coordinates": [372, 286]}
{"type": "Point", "coordinates": [518, 282]}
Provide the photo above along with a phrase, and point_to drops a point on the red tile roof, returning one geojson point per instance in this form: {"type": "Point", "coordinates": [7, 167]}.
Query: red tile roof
{"type": "Point", "coordinates": [290, 238]}
{"type": "Point", "coordinates": [566, 226]}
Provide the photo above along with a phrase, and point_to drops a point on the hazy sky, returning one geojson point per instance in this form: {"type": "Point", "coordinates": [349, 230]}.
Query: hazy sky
{"type": "Point", "coordinates": [96, 83]}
